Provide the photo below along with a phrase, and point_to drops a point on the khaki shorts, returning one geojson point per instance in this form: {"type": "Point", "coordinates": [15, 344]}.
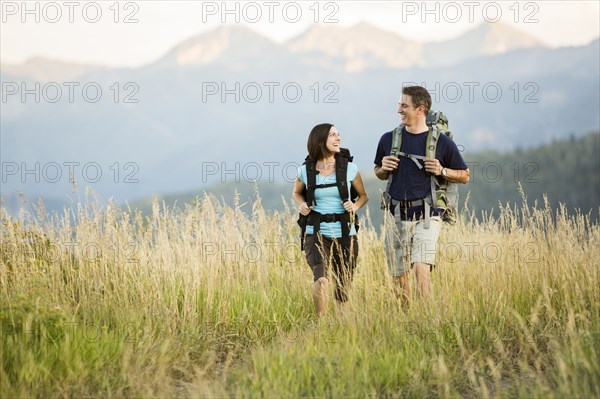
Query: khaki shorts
{"type": "Point", "coordinates": [408, 242]}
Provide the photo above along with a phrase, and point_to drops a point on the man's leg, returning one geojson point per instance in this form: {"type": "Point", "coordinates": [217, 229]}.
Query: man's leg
{"type": "Point", "coordinates": [422, 273]}
{"type": "Point", "coordinates": [397, 247]}
{"type": "Point", "coordinates": [402, 289]}
{"type": "Point", "coordinates": [424, 249]}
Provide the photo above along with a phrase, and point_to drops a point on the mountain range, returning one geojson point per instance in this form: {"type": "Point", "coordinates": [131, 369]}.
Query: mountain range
{"type": "Point", "coordinates": [228, 97]}
{"type": "Point", "coordinates": [352, 49]}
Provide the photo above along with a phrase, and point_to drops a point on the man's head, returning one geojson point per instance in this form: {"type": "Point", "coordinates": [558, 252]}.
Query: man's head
{"type": "Point", "coordinates": [414, 105]}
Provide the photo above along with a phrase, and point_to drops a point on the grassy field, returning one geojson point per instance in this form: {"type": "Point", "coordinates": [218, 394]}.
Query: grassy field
{"type": "Point", "coordinates": [211, 301]}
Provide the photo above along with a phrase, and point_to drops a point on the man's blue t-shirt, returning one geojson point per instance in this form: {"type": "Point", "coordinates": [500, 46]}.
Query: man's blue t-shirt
{"type": "Point", "coordinates": [409, 182]}
{"type": "Point", "coordinates": [328, 200]}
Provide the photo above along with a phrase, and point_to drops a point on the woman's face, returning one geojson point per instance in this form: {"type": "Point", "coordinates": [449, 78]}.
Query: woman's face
{"type": "Point", "coordinates": [333, 141]}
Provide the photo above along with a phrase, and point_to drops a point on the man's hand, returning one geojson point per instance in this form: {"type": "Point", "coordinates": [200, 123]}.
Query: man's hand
{"type": "Point", "coordinates": [389, 163]}
{"type": "Point", "coordinates": [433, 166]}
{"type": "Point", "coordinates": [305, 209]}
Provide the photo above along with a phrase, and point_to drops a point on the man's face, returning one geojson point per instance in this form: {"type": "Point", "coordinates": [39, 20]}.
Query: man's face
{"type": "Point", "coordinates": [409, 114]}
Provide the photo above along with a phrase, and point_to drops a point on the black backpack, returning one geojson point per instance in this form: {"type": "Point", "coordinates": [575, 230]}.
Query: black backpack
{"type": "Point", "coordinates": [315, 218]}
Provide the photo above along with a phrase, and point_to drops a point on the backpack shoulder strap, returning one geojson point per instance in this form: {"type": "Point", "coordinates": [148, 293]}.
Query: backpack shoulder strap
{"type": "Point", "coordinates": [311, 180]}
{"type": "Point", "coordinates": [395, 150]}
{"type": "Point", "coordinates": [341, 177]}
{"type": "Point", "coordinates": [431, 146]}
{"type": "Point", "coordinates": [396, 140]}
{"type": "Point", "coordinates": [432, 140]}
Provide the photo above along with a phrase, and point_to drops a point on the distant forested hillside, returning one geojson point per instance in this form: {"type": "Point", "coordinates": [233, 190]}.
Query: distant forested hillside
{"type": "Point", "coordinates": [567, 171]}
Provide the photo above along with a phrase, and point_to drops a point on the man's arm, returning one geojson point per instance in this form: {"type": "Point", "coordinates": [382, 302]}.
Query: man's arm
{"type": "Point", "coordinates": [457, 175]}
{"type": "Point", "coordinates": [450, 159]}
{"type": "Point", "coordinates": [388, 165]}
{"type": "Point", "coordinates": [380, 173]}
{"type": "Point", "coordinates": [454, 175]}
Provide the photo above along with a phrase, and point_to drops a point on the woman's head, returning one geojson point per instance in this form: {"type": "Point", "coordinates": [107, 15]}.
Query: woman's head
{"type": "Point", "coordinates": [323, 141]}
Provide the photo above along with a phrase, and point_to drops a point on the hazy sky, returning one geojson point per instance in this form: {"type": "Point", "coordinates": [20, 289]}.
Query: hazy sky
{"type": "Point", "coordinates": [97, 32]}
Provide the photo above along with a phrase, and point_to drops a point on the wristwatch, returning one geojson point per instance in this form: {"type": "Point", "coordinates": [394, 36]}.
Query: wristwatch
{"type": "Point", "coordinates": [444, 172]}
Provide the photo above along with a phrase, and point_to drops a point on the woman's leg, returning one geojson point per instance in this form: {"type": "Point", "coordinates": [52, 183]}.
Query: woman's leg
{"type": "Point", "coordinates": [317, 252]}
{"type": "Point", "coordinates": [320, 296]}
{"type": "Point", "coordinates": [344, 257]}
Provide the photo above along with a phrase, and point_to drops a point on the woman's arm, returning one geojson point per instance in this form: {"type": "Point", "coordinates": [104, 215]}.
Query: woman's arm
{"type": "Point", "coordinates": [299, 198]}
{"type": "Point", "coordinates": [363, 198]}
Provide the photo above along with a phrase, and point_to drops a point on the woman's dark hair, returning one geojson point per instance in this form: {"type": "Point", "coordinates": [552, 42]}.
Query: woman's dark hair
{"type": "Point", "coordinates": [317, 141]}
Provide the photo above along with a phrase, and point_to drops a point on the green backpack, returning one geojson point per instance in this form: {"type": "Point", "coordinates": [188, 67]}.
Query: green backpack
{"type": "Point", "coordinates": [444, 191]}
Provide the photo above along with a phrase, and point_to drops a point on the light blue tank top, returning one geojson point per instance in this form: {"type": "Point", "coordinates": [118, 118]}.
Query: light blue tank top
{"type": "Point", "coordinates": [328, 200]}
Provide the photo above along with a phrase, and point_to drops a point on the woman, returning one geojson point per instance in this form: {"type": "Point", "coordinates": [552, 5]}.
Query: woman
{"type": "Point", "coordinates": [333, 244]}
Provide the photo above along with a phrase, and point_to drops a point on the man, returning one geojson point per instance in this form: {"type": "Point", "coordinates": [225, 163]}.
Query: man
{"type": "Point", "coordinates": [410, 241]}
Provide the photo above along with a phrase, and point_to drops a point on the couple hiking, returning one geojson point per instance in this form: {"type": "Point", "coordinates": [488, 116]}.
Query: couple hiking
{"type": "Point", "coordinates": [422, 166]}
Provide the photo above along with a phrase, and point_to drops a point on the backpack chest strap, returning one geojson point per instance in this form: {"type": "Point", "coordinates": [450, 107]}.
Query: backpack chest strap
{"type": "Point", "coordinates": [412, 157]}
{"type": "Point", "coordinates": [326, 185]}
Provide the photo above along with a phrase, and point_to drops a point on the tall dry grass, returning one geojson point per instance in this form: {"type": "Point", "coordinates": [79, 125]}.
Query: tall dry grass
{"type": "Point", "coordinates": [212, 301]}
